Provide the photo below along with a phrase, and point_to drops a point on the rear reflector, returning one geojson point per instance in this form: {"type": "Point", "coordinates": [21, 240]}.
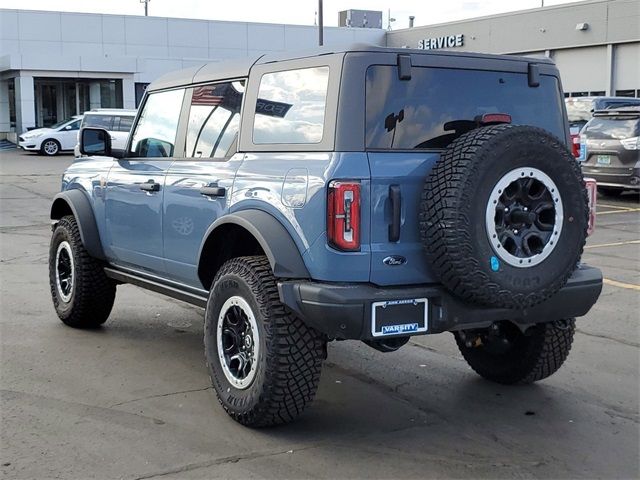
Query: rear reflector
{"type": "Point", "coordinates": [592, 188]}
{"type": "Point", "coordinates": [343, 215]}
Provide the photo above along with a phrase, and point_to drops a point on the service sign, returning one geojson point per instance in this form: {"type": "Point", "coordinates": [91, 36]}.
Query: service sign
{"type": "Point", "coordinates": [448, 41]}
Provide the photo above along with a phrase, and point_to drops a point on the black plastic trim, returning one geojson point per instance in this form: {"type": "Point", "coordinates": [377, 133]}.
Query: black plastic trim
{"type": "Point", "coordinates": [80, 206]}
{"type": "Point", "coordinates": [275, 240]}
{"type": "Point", "coordinates": [343, 310]}
{"type": "Point", "coordinates": [179, 292]}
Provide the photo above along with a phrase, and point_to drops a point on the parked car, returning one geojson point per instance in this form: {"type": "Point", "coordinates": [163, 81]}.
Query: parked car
{"type": "Point", "coordinates": [116, 121]}
{"type": "Point", "coordinates": [52, 140]}
{"type": "Point", "coordinates": [580, 111]}
{"type": "Point", "coordinates": [610, 147]}
{"type": "Point", "coordinates": [360, 194]}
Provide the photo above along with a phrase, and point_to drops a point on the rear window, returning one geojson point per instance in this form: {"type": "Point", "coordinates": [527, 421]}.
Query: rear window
{"type": "Point", "coordinates": [613, 128]}
{"type": "Point", "coordinates": [431, 109]}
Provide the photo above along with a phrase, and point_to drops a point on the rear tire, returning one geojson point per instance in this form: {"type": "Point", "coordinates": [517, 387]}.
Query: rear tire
{"type": "Point", "coordinates": [514, 357]}
{"type": "Point", "coordinates": [50, 147]}
{"type": "Point", "coordinates": [264, 362]}
{"type": "Point", "coordinates": [82, 294]}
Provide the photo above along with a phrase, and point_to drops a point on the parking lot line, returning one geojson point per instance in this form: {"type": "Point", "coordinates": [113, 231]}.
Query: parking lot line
{"type": "Point", "coordinates": [626, 210]}
{"type": "Point", "coordinates": [620, 207]}
{"type": "Point", "coordinates": [615, 283]}
{"type": "Point", "coordinates": [614, 244]}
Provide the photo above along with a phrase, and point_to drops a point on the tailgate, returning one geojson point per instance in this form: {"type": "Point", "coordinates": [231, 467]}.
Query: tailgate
{"type": "Point", "coordinates": [406, 172]}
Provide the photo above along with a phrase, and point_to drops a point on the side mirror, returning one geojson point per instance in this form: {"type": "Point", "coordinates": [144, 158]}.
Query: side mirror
{"type": "Point", "coordinates": [95, 141]}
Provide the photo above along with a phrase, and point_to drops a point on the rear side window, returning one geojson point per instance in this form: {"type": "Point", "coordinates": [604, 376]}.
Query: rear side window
{"type": "Point", "coordinates": [291, 106]}
{"type": "Point", "coordinates": [437, 105]}
{"type": "Point", "coordinates": [98, 121]}
{"type": "Point", "coordinates": [123, 124]}
{"type": "Point", "coordinates": [214, 120]}
{"type": "Point", "coordinates": [155, 133]}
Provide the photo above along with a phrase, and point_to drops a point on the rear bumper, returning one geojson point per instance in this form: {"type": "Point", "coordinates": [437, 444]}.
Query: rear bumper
{"type": "Point", "coordinates": [344, 310]}
{"type": "Point", "coordinates": [614, 176]}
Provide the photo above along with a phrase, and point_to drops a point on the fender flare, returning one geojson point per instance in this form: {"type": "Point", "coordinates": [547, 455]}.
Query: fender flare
{"type": "Point", "coordinates": [76, 200]}
{"type": "Point", "coordinates": [273, 237]}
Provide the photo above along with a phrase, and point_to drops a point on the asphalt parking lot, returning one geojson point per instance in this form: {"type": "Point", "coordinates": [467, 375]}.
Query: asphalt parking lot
{"type": "Point", "coordinates": [132, 400]}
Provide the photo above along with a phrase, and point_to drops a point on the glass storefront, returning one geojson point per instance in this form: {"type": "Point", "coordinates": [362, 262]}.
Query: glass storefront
{"type": "Point", "coordinates": [57, 99]}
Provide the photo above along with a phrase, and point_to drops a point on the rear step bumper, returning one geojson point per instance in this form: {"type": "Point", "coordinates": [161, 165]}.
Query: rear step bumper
{"type": "Point", "coordinates": [344, 310]}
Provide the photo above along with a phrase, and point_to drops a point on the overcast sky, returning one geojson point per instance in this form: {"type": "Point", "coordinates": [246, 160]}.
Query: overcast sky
{"type": "Point", "coordinates": [293, 11]}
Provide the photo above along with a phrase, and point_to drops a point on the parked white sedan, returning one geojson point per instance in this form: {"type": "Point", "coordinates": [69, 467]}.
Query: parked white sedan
{"type": "Point", "coordinates": [52, 140]}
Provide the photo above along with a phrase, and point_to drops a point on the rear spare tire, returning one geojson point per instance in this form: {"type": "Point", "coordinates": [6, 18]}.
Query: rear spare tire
{"type": "Point", "coordinates": [504, 216]}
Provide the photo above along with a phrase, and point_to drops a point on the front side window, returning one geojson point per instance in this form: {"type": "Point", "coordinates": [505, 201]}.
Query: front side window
{"type": "Point", "coordinates": [291, 106]}
{"type": "Point", "coordinates": [155, 132]}
{"type": "Point", "coordinates": [75, 125]}
{"type": "Point", "coordinates": [214, 120]}
{"type": "Point", "coordinates": [437, 105]}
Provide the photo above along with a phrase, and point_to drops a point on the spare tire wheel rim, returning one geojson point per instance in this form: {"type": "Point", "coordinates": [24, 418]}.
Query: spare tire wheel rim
{"type": "Point", "coordinates": [64, 271]}
{"type": "Point", "coordinates": [238, 342]}
{"type": "Point", "coordinates": [524, 217]}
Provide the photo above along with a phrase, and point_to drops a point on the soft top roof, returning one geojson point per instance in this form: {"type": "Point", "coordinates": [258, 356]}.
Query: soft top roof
{"type": "Point", "coordinates": [230, 69]}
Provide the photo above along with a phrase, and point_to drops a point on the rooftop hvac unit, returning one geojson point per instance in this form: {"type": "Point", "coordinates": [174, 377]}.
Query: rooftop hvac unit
{"type": "Point", "coordinates": [360, 19]}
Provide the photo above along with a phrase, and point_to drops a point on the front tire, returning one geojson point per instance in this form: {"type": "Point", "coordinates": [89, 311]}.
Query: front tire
{"type": "Point", "coordinates": [50, 147]}
{"type": "Point", "coordinates": [264, 362]}
{"type": "Point", "coordinates": [504, 354]}
{"type": "Point", "coordinates": [82, 294]}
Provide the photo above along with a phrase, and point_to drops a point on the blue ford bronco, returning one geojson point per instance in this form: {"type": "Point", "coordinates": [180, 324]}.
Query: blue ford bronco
{"type": "Point", "coordinates": [365, 194]}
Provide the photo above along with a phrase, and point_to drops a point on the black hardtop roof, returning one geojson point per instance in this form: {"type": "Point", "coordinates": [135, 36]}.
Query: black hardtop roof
{"type": "Point", "coordinates": [230, 69]}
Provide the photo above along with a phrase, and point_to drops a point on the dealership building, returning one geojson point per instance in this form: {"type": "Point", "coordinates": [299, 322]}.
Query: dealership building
{"type": "Point", "coordinates": [55, 64]}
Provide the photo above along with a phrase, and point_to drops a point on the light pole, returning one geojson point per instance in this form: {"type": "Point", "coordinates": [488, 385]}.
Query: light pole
{"type": "Point", "coordinates": [320, 24]}
{"type": "Point", "coordinates": [146, 7]}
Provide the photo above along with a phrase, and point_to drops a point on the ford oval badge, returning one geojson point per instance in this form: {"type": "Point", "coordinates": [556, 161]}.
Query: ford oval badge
{"type": "Point", "coordinates": [394, 260]}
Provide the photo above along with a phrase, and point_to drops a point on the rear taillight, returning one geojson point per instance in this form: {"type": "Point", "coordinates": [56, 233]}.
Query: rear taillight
{"type": "Point", "coordinates": [343, 215]}
{"type": "Point", "coordinates": [592, 188]}
{"type": "Point", "coordinates": [575, 144]}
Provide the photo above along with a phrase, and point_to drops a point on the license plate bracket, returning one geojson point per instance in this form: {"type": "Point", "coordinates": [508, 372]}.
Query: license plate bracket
{"type": "Point", "coordinates": [399, 317]}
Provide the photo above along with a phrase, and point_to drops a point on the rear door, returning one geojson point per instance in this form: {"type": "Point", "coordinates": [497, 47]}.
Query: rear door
{"type": "Point", "coordinates": [408, 126]}
{"type": "Point", "coordinates": [606, 138]}
{"type": "Point", "coordinates": [135, 186]}
{"type": "Point", "coordinates": [198, 186]}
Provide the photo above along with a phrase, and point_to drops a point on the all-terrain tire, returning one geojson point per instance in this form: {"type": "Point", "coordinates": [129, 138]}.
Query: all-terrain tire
{"type": "Point", "coordinates": [290, 353]}
{"type": "Point", "coordinates": [92, 293]}
{"type": "Point", "coordinates": [455, 207]}
{"type": "Point", "coordinates": [534, 355]}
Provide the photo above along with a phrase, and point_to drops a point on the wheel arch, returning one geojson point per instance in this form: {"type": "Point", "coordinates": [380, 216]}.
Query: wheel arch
{"type": "Point", "coordinates": [249, 232]}
{"type": "Point", "coordinates": [75, 202]}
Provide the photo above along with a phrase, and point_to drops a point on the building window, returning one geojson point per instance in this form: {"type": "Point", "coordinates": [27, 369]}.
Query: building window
{"type": "Point", "coordinates": [214, 120]}
{"type": "Point", "coordinates": [599, 93]}
{"type": "Point", "coordinates": [625, 93]}
{"type": "Point", "coordinates": [140, 89]}
{"type": "Point", "coordinates": [291, 105]}
{"type": "Point", "coordinates": [111, 94]}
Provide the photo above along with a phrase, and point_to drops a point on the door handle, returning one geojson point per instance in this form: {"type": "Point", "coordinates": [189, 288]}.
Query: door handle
{"type": "Point", "coordinates": [213, 190]}
{"type": "Point", "coordinates": [396, 203]}
{"type": "Point", "coordinates": [150, 186]}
